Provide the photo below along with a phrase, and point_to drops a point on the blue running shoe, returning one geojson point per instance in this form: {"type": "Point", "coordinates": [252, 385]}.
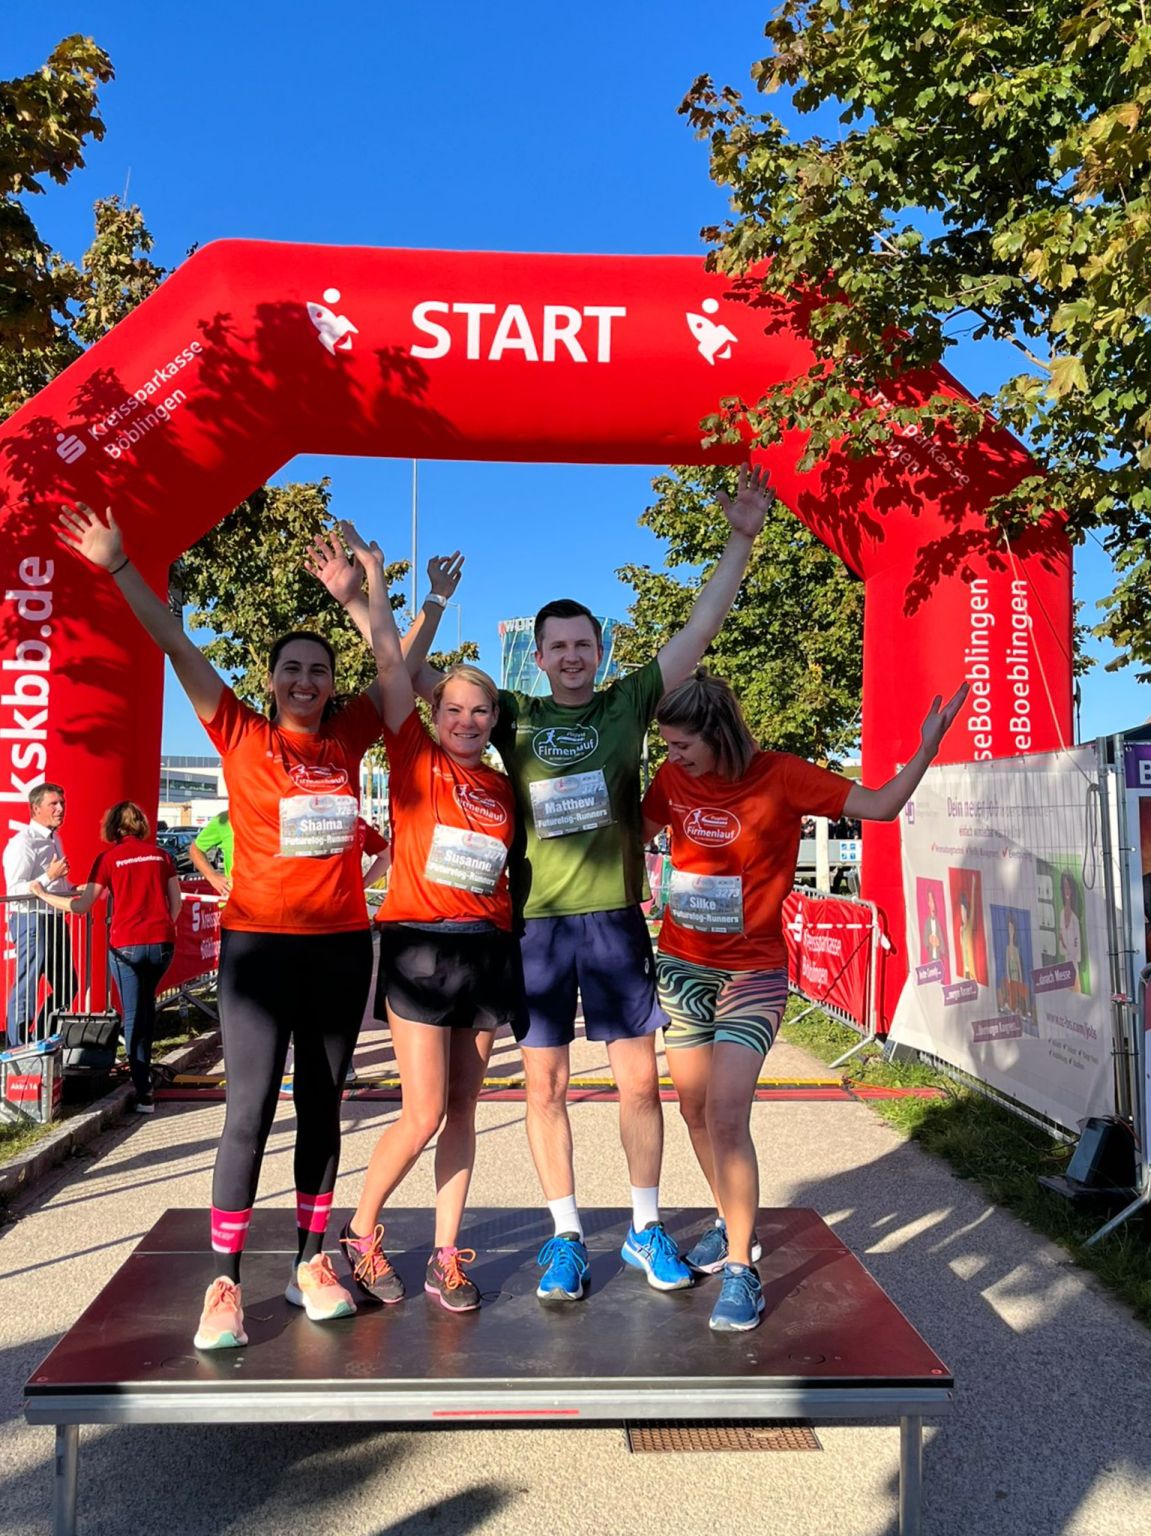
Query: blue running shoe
{"type": "Point", "coordinates": [709, 1254]}
{"type": "Point", "coordinates": [740, 1300]}
{"type": "Point", "coordinates": [653, 1251]}
{"type": "Point", "coordinates": [564, 1260]}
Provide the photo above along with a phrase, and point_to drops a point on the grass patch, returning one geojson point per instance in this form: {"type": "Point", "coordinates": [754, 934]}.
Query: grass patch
{"type": "Point", "coordinates": [988, 1144]}
{"type": "Point", "coordinates": [16, 1136]}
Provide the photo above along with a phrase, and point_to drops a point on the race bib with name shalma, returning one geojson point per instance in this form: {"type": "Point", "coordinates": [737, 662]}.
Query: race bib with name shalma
{"type": "Point", "coordinates": [317, 826]}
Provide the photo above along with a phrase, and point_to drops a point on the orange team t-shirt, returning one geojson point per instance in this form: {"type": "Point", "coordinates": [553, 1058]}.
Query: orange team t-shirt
{"type": "Point", "coordinates": [452, 828]}
{"type": "Point", "coordinates": [293, 802]}
{"type": "Point", "coordinates": [734, 846]}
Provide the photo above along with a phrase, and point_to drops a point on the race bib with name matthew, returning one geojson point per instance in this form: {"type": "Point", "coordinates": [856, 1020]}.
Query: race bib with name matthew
{"type": "Point", "coordinates": [579, 802]}
{"type": "Point", "coordinates": [707, 903]}
{"type": "Point", "coordinates": [466, 860]}
{"type": "Point", "coordinates": [317, 826]}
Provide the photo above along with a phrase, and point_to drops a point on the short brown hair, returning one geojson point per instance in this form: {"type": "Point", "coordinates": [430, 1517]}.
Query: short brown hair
{"type": "Point", "coordinates": [124, 819]}
{"type": "Point", "coordinates": [706, 706]}
{"type": "Point", "coordinates": [566, 608]}
{"type": "Point", "coordinates": [36, 795]}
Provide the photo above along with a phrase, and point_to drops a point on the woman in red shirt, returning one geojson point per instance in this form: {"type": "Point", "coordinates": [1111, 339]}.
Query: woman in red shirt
{"type": "Point", "coordinates": [736, 815]}
{"type": "Point", "coordinates": [449, 965]}
{"type": "Point", "coordinates": [143, 887]}
{"type": "Point", "coordinates": [295, 952]}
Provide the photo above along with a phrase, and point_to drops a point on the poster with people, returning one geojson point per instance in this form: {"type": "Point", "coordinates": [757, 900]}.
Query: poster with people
{"type": "Point", "coordinates": [1137, 778]}
{"type": "Point", "coordinates": [1009, 938]}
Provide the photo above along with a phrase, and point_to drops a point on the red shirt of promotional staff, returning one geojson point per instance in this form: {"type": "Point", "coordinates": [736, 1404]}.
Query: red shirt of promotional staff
{"type": "Point", "coordinates": [268, 769]}
{"type": "Point", "coordinates": [748, 827]}
{"type": "Point", "coordinates": [430, 789]}
{"type": "Point", "coordinates": [135, 874]}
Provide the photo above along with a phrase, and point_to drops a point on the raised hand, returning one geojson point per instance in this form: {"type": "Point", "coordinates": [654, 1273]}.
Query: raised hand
{"type": "Point", "coordinates": [368, 556]}
{"type": "Point", "coordinates": [327, 562]}
{"type": "Point", "coordinates": [86, 534]}
{"type": "Point", "coordinates": [939, 720]}
{"type": "Point", "coordinates": [754, 499]}
{"type": "Point", "coordinates": [444, 572]}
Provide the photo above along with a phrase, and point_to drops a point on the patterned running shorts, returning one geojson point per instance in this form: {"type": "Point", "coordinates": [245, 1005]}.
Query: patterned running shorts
{"type": "Point", "coordinates": [706, 1006]}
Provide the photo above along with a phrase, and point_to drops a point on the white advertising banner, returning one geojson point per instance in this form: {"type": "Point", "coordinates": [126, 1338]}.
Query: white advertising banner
{"type": "Point", "coordinates": [1007, 931]}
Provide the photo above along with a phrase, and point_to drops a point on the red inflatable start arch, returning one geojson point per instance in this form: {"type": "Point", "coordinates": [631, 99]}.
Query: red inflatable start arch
{"type": "Point", "coordinates": [254, 352]}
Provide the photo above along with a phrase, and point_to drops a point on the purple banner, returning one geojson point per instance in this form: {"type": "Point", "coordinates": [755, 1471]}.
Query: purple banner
{"type": "Point", "coordinates": [1008, 1028]}
{"type": "Point", "coordinates": [1054, 978]}
{"type": "Point", "coordinates": [961, 992]}
{"type": "Point", "coordinates": [1137, 764]}
{"type": "Point", "coordinates": [930, 972]}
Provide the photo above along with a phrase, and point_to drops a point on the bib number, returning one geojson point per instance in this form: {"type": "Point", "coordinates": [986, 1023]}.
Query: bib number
{"type": "Point", "coordinates": [465, 860]}
{"type": "Point", "coordinates": [578, 802]}
{"type": "Point", "coordinates": [317, 826]}
{"type": "Point", "coordinates": [707, 903]}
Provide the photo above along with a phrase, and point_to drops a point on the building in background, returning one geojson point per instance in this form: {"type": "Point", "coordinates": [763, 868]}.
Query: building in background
{"type": "Point", "coordinates": [518, 670]}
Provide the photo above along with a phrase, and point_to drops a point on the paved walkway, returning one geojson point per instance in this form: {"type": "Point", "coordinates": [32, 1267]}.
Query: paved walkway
{"type": "Point", "coordinates": [1050, 1434]}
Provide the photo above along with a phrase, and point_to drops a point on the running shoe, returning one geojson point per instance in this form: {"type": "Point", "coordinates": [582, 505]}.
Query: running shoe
{"type": "Point", "coordinates": [314, 1287]}
{"type": "Point", "coordinates": [446, 1281]}
{"type": "Point", "coordinates": [371, 1269]}
{"type": "Point", "coordinates": [709, 1254]}
{"type": "Point", "coordinates": [222, 1320]}
{"type": "Point", "coordinates": [653, 1251]}
{"type": "Point", "coordinates": [145, 1103]}
{"type": "Point", "coordinates": [565, 1266]}
{"type": "Point", "coordinates": [740, 1300]}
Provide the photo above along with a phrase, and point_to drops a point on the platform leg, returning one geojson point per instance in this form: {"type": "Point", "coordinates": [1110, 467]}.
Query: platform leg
{"type": "Point", "coordinates": [910, 1475]}
{"type": "Point", "coordinates": [64, 1480]}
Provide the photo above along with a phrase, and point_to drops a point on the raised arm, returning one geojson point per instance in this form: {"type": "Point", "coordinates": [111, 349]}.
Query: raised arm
{"type": "Point", "coordinates": [101, 545]}
{"type": "Point", "coordinates": [395, 685]}
{"type": "Point", "coordinates": [886, 802]}
{"type": "Point", "coordinates": [754, 499]}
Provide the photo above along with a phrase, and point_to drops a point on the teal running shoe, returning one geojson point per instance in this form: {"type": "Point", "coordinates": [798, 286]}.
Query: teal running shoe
{"type": "Point", "coordinates": [565, 1266]}
{"type": "Point", "coordinates": [740, 1303]}
{"type": "Point", "coordinates": [653, 1251]}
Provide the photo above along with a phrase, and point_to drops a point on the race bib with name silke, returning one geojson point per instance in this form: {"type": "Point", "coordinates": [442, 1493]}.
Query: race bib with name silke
{"type": "Point", "coordinates": [317, 826]}
{"type": "Point", "coordinates": [578, 802]}
{"type": "Point", "coordinates": [468, 861]}
{"type": "Point", "coordinates": [707, 903]}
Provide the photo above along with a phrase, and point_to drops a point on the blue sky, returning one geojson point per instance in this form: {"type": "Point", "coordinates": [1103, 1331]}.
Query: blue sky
{"type": "Point", "coordinates": [497, 127]}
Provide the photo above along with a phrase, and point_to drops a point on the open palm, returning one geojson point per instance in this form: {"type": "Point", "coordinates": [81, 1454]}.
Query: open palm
{"type": "Point", "coordinates": [753, 500]}
{"type": "Point", "coordinates": [83, 531]}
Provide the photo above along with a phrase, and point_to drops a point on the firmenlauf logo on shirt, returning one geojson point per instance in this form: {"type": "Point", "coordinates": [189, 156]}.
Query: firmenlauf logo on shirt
{"type": "Point", "coordinates": [711, 828]}
{"type": "Point", "coordinates": [318, 780]}
{"type": "Point", "coordinates": [562, 745]}
{"type": "Point", "coordinates": [479, 805]}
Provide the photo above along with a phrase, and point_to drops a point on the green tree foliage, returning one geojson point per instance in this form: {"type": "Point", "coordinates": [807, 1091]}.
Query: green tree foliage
{"type": "Point", "coordinates": [983, 167]}
{"type": "Point", "coordinates": [792, 645]}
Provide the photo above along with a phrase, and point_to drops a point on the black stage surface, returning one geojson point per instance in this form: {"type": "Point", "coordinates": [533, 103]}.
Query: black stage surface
{"type": "Point", "coordinates": [831, 1344]}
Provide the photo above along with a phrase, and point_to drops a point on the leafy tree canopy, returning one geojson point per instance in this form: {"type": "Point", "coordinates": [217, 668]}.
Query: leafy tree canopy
{"type": "Point", "coordinates": [792, 645]}
{"type": "Point", "coordinates": [988, 170]}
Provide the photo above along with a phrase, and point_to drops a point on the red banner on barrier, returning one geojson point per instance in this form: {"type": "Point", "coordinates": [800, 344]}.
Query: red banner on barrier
{"type": "Point", "coordinates": [197, 936]}
{"type": "Point", "coordinates": [829, 953]}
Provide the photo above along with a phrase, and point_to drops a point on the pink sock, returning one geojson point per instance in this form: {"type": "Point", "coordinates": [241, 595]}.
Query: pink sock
{"type": "Point", "coordinates": [312, 1212]}
{"type": "Point", "coordinates": [230, 1230]}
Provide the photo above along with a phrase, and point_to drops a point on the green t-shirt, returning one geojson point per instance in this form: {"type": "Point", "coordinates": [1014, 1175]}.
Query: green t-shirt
{"type": "Point", "coordinates": [218, 833]}
{"type": "Point", "coordinates": [575, 769]}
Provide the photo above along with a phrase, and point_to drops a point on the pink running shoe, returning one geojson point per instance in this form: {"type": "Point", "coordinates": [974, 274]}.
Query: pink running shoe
{"type": "Point", "coordinates": [314, 1287]}
{"type": "Point", "coordinates": [222, 1320]}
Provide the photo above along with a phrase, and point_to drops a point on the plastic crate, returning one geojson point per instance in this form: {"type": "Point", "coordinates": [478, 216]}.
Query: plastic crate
{"type": "Point", "coordinates": [31, 1081]}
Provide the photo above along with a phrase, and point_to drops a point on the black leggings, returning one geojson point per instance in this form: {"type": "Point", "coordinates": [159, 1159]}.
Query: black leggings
{"type": "Point", "coordinates": [275, 988]}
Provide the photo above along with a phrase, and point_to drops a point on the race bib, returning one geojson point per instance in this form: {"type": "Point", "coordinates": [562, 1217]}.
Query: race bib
{"type": "Point", "coordinates": [468, 861]}
{"type": "Point", "coordinates": [317, 826]}
{"type": "Point", "coordinates": [707, 903]}
{"type": "Point", "coordinates": [578, 802]}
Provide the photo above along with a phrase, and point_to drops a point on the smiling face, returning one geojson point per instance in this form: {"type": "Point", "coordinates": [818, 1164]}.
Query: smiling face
{"type": "Point", "coordinates": [463, 719]}
{"type": "Point", "coordinates": [569, 655]}
{"type": "Point", "coordinates": [687, 750]}
{"type": "Point", "coordinates": [301, 683]}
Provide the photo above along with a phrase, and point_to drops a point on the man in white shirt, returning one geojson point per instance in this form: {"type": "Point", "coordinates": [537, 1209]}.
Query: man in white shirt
{"type": "Point", "coordinates": [39, 934]}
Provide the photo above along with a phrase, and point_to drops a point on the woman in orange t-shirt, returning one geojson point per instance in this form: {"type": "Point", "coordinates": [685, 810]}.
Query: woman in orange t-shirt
{"type": "Point", "coordinates": [449, 963]}
{"type": "Point", "coordinates": [296, 952]}
{"type": "Point", "coordinates": [736, 815]}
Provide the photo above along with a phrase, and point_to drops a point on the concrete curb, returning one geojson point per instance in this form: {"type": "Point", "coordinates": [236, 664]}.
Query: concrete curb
{"type": "Point", "coordinates": [22, 1172]}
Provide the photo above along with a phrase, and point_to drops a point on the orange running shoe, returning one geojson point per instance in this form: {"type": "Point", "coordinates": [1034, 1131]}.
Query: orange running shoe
{"type": "Point", "coordinates": [222, 1320]}
{"type": "Point", "coordinates": [446, 1281]}
{"type": "Point", "coordinates": [314, 1287]}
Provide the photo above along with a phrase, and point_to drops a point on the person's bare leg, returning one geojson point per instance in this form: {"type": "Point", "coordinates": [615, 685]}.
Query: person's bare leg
{"type": "Point", "coordinates": [456, 1146]}
{"type": "Point", "coordinates": [634, 1068]}
{"type": "Point", "coordinates": [734, 1073]}
{"type": "Point", "coordinates": [422, 1052]}
{"type": "Point", "coordinates": [547, 1069]}
{"type": "Point", "coordinates": [690, 1068]}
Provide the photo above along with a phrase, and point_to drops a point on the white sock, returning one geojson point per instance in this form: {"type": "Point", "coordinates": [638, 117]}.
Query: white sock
{"type": "Point", "coordinates": [565, 1214]}
{"type": "Point", "coordinates": [644, 1206]}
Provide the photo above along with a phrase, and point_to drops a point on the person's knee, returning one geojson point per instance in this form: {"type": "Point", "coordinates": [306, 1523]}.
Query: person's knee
{"type": "Point", "coordinates": [693, 1112]}
{"type": "Point", "coordinates": [421, 1122]}
{"type": "Point", "coordinates": [727, 1125]}
{"type": "Point", "coordinates": [546, 1086]}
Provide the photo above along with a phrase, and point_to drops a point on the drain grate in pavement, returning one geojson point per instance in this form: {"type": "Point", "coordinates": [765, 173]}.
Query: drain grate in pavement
{"type": "Point", "coordinates": [724, 1435]}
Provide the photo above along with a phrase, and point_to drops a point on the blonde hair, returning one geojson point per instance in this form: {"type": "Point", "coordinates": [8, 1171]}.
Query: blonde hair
{"type": "Point", "coordinates": [124, 819]}
{"type": "Point", "coordinates": [467, 673]}
{"type": "Point", "coordinates": [706, 706]}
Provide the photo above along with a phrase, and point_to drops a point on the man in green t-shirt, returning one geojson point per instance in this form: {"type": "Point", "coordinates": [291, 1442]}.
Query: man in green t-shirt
{"type": "Point", "coordinates": [217, 833]}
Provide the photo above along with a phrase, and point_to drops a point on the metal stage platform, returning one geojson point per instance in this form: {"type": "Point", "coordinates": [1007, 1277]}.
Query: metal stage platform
{"type": "Point", "coordinates": [831, 1344]}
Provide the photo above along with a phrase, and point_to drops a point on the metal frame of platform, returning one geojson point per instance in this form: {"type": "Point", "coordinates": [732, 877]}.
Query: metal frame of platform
{"type": "Point", "coordinates": [831, 1346]}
